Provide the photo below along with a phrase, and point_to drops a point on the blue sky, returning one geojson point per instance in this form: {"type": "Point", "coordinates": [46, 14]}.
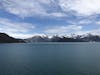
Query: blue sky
{"type": "Point", "coordinates": [26, 18]}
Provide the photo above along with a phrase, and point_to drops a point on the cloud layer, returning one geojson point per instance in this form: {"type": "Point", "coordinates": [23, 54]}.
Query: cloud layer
{"type": "Point", "coordinates": [56, 8]}
{"type": "Point", "coordinates": [15, 28]}
{"type": "Point", "coordinates": [81, 7]}
{"type": "Point", "coordinates": [28, 8]}
{"type": "Point", "coordinates": [64, 29]}
{"type": "Point", "coordinates": [79, 16]}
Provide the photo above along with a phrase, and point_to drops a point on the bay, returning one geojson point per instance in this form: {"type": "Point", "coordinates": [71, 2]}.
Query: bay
{"type": "Point", "coordinates": [50, 59]}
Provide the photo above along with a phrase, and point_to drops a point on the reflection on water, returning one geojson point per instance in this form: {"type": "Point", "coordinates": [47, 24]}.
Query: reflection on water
{"type": "Point", "coordinates": [50, 59]}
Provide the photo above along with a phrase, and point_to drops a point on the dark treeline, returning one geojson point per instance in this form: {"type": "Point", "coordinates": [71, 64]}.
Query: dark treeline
{"type": "Point", "coordinates": [4, 38]}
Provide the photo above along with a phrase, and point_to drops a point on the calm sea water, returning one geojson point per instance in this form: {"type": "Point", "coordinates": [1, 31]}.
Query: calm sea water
{"type": "Point", "coordinates": [50, 59]}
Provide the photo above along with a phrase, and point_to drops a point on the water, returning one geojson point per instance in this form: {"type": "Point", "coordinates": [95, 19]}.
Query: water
{"type": "Point", "coordinates": [50, 59]}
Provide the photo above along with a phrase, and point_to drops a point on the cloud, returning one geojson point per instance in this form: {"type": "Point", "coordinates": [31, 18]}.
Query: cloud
{"type": "Point", "coordinates": [54, 8]}
{"type": "Point", "coordinates": [92, 31]}
{"type": "Point", "coordinates": [81, 7]}
{"type": "Point", "coordinates": [63, 29]}
{"type": "Point", "coordinates": [73, 29]}
{"type": "Point", "coordinates": [82, 22]}
{"type": "Point", "coordinates": [29, 8]}
{"type": "Point", "coordinates": [22, 8]}
{"type": "Point", "coordinates": [98, 22]}
{"type": "Point", "coordinates": [24, 36]}
{"type": "Point", "coordinates": [18, 28]}
{"type": "Point", "coordinates": [76, 14]}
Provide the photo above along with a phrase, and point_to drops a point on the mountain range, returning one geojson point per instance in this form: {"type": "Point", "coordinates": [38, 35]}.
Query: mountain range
{"type": "Point", "coordinates": [4, 38]}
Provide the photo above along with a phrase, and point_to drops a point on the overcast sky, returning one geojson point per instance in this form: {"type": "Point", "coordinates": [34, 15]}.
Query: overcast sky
{"type": "Point", "coordinates": [25, 18]}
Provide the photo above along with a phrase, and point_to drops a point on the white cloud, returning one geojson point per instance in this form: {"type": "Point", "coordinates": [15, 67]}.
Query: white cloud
{"type": "Point", "coordinates": [70, 29]}
{"type": "Point", "coordinates": [58, 14]}
{"type": "Point", "coordinates": [23, 8]}
{"type": "Point", "coordinates": [24, 36]}
{"type": "Point", "coordinates": [85, 21]}
{"type": "Point", "coordinates": [81, 7]}
{"type": "Point", "coordinates": [81, 22]}
{"type": "Point", "coordinates": [98, 22]}
{"type": "Point", "coordinates": [50, 8]}
{"type": "Point", "coordinates": [11, 28]}
{"type": "Point", "coordinates": [55, 8]}
{"type": "Point", "coordinates": [63, 29]}
{"type": "Point", "coordinates": [92, 31]}
{"type": "Point", "coordinates": [29, 8]}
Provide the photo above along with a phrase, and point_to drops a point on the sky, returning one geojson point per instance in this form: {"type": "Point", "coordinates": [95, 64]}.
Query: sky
{"type": "Point", "coordinates": [26, 18]}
